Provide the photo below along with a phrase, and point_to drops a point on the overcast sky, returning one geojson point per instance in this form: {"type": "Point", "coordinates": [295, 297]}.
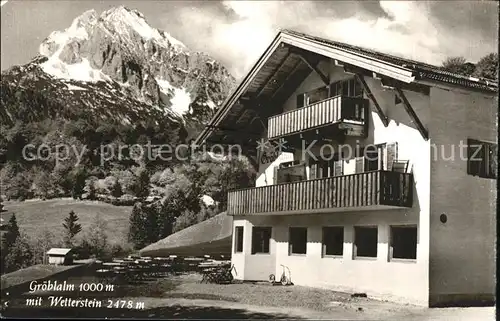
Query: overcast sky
{"type": "Point", "coordinates": [237, 32]}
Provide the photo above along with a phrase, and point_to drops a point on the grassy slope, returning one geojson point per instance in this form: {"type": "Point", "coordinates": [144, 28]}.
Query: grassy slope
{"type": "Point", "coordinates": [34, 216]}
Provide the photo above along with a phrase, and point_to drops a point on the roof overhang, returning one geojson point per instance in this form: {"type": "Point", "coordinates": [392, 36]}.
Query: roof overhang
{"type": "Point", "coordinates": [398, 69]}
{"type": "Point", "coordinates": [284, 38]}
{"type": "Point", "coordinates": [358, 60]}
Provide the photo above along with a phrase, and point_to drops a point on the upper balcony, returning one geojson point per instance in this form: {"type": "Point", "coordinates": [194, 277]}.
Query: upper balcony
{"type": "Point", "coordinates": [347, 114]}
{"type": "Point", "coordinates": [356, 192]}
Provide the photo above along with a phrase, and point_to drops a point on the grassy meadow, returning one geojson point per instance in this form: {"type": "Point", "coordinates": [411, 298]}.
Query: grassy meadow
{"type": "Point", "coordinates": [35, 216]}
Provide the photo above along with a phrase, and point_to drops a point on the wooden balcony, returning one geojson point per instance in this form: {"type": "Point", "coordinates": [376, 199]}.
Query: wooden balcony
{"type": "Point", "coordinates": [344, 113]}
{"type": "Point", "coordinates": [356, 192]}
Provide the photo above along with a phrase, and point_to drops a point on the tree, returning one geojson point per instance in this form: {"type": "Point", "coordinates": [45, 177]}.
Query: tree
{"type": "Point", "coordinates": [72, 227]}
{"type": "Point", "coordinates": [43, 184]}
{"type": "Point", "coordinates": [116, 189]}
{"type": "Point", "coordinates": [96, 237]}
{"type": "Point", "coordinates": [487, 67]}
{"type": "Point", "coordinates": [78, 176]}
{"type": "Point", "coordinates": [141, 187]}
{"type": "Point", "coordinates": [20, 255]}
{"type": "Point", "coordinates": [186, 219]}
{"type": "Point", "coordinates": [137, 233]}
{"type": "Point", "coordinates": [9, 240]}
{"type": "Point", "coordinates": [90, 188]}
{"type": "Point", "coordinates": [458, 65]}
{"type": "Point", "coordinates": [18, 187]}
{"type": "Point", "coordinates": [11, 234]}
{"type": "Point", "coordinates": [41, 243]}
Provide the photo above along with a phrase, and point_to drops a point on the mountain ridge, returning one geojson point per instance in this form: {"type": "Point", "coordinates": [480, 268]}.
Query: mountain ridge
{"type": "Point", "coordinates": [115, 58]}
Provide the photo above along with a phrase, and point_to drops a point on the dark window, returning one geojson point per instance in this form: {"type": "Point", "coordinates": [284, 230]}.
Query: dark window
{"type": "Point", "coordinates": [336, 89]}
{"type": "Point", "coordinates": [404, 242]}
{"type": "Point", "coordinates": [345, 88]}
{"type": "Point", "coordinates": [373, 157]}
{"type": "Point", "coordinates": [349, 88]}
{"type": "Point", "coordinates": [297, 240]}
{"type": "Point", "coordinates": [326, 166]}
{"type": "Point", "coordinates": [312, 97]}
{"type": "Point", "coordinates": [358, 90]}
{"type": "Point", "coordinates": [482, 158]}
{"type": "Point", "coordinates": [238, 239]}
{"type": "Point", "coordinates": [316, 95]}
{"type": "Point", "coordinates": [301, 100]}
{"type": "Point", "coordinates": [261, 237]}
{"type": "Point", "coordinates": [365, 241]}
{"type": "Point", "coordinates": [333, 240]}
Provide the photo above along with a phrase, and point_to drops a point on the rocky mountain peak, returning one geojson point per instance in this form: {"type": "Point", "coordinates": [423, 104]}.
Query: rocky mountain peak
{"type": "Point", "coordinates": [132, 59]}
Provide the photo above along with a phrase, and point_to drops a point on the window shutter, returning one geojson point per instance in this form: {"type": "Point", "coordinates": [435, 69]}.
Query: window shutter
{"type": "Point", "coordinates": [338, 168]}
{"type": "Point", "coordinates": [300, 100]}
{"type": "Point", "coordinates": [360, 164]}
{"type": "Point", "coordinates": [345, 88]}
{"type": "Point", "coordinates": [475, 151]}
{"type": "Point", "coordinates": [276, 172]}
{"type": "Point", "coordinates": [313, 171]}
{"type": "Point", "coordinates": [391, 155]}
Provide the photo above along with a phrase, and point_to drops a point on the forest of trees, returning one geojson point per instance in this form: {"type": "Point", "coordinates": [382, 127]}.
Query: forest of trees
{"type": "Point", "coordinates": [486, 67]}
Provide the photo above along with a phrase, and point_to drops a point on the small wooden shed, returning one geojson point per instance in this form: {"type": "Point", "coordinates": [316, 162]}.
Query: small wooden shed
{"type": "Point", "coordinates": [60, 256]}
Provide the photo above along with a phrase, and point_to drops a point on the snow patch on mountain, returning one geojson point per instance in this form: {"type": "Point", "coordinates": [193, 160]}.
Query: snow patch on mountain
{"type": "Point", "coordinates": [81, 71]}
{"type": "Point", "coordinates": [180, 98]}
{"type": "Point", "coordinates": [79, 29]}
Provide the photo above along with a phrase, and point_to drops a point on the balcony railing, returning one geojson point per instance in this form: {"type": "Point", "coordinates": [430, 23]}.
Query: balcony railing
{"type": "Point", "coordinates": [333, 110]}
{"type": "Point", "coordinates": [369, 190]}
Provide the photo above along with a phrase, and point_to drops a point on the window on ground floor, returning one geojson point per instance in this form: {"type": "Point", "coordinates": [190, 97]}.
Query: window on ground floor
{"type": "Point", "coordinates": [261, 238]}
{"type": "Point", "coordinates": [403, 242]}
{"type": "Point", "coordinates": [365, 241]}
{"type": "Point", "coordinates": [297, 240]}
{"type": "Point", "coordinates": [333, 240]}
{"type": "Point", "coordinates": [238, 239]}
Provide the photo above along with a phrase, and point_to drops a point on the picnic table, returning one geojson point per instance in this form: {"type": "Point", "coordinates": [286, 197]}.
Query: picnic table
{"type": "Point", "coordinates": [133, 268]}
{"type": "Point", "coordinates": [216, 273]}
{"type": "Point", "coordinates": [111, 264]}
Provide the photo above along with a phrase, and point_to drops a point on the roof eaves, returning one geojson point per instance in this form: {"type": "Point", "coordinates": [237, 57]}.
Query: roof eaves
{"type": "Point", "coordinates": [364, 61]}
{"type": "Point", "coordinates": [238, 91]}
{"type": "Point", "coordinates": [420, 69]}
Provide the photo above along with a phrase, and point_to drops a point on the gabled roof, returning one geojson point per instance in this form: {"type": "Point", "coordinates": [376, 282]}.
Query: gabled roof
{"type": "Point", "coordinates": [420, 70]}
{"type": "Point", "coordinates": [58, 251]}
{"type": "Point", "coordinates": [275, 67]}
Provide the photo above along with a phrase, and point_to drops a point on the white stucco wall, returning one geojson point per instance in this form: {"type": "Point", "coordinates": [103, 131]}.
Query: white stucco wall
{"type": "Point", "coordinates": [396, 280]}
{"type": "Point", "coordinates": [462, 251]}
{"type": "Point", "coordinates": [250, 266]}
{"type": "Point", "coordinates": [399, 281]}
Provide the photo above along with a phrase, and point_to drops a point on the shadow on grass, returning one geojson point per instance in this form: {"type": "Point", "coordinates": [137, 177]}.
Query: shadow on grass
{"type": "Point", "coordinates": [199, 296]}
{"type": "Point", "coordinates": [170, 312]}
